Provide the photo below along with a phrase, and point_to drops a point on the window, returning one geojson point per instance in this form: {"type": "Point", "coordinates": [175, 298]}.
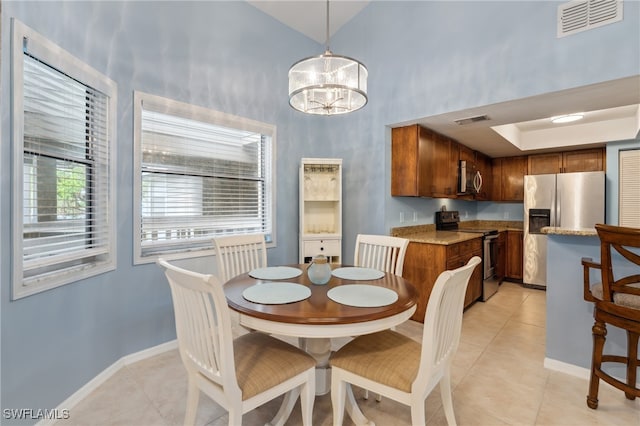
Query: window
{"type": "Point", "coordinates": [63, 115]}
{"type": "Point", "coordinates": [200, 174]}
{"type": "Point", "coordinates": [629, 190]}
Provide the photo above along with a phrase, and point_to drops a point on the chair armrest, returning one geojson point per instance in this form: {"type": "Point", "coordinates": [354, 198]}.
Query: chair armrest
{"type": "Point", "coordinates": [587, 264]}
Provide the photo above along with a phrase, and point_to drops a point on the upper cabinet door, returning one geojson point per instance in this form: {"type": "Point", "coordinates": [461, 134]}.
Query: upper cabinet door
{"type": "Point", "coordinates": [423, 163]}
{"type": "Point", "coordinates": [508, 178]}
{"type": "Point", "coordinates": [483, 163]}
{"type": "Point", "coordinates": [586, 160]}
{"type": "Point", "coordinates": [513, 171]}
{"type": "Point", "coordinates": [542, 164]}
{"type": "Point", "coordinates": [404, 161]}
{"type": "Point", "coordinates": [441, 167]}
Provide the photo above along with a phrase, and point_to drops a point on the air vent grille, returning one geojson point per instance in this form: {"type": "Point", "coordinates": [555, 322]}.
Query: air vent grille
{"type": "Point", "coordinates": [470, 120]}
{"type": "Point", "coordinates": [581, 15]}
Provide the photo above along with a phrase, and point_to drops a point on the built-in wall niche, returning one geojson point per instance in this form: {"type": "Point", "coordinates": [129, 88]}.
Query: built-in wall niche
{"type": "Point", "coordinates": [320, 208]}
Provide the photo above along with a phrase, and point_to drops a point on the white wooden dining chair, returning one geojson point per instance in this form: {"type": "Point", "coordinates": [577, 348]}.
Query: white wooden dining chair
{"type": "Point", "coordinates": [400, 368]}
{"type": "Point", "coordinates": [239, 254]}
{"type": "Point", "coordinates": [380, 252]}
{"type": "Point", "coordinates": [239, 374]}
{"type": "Point", "coordinates": [235, 255]}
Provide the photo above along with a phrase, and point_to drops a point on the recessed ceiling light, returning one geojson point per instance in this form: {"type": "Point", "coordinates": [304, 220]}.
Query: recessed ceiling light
{"type": "Point", "coordinates": [567, 118]}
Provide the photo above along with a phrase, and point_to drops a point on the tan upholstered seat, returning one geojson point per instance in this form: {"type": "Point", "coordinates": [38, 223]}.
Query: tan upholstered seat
{"type": "Point", "coordinates": [381, 252]}
{"type": "Point", "coordinates": [386, 357]}
{"type": "Point", "coordinates": [616, 302]}
{"type": "Point", "coordinates": [622, 299]}
{"type": "Point", "coordinates": [263, 362]}
{"type": "Point", "coordinates": [240, 374]}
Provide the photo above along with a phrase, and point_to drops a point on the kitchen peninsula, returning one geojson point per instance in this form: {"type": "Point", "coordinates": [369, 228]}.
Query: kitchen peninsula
{"type": "Point", "coordinates": [432, 251]}
{"type": "Point", "coordinates": [569, 317]}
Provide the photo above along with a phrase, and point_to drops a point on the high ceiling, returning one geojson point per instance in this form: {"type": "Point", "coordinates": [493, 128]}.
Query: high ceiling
{"type": "Point", "coordinates": [521, 126]}
{"type": "Point", "coordinates": [309, 17]}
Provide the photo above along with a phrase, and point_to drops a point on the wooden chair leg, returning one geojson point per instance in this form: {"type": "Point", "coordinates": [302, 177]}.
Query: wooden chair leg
{"type": "Point", "coordinates": [193, 395]}
{"type": "Point", "coordinates": [632, 361]}
{"type": "Point", "coordinates": [599, 331]}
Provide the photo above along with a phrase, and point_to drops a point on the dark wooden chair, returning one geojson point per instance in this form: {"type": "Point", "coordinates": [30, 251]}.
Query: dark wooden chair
{"type": "Point", "coordinates": [616, 302]}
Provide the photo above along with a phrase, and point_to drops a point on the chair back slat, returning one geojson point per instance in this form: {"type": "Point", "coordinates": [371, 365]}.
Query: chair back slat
{"type": "Point", "coordinates": [380, 252]}
{"type": "Point", "coordinates": [239, 254]}
{"type": "Point", "coordinates": [619, 246]}
{"type": "Point", "coordinates": [203, 325]}
{"type": "Point", "coordinates": [443, 322]}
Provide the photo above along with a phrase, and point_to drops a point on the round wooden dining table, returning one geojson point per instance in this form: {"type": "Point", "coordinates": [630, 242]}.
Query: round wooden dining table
{"type": "Point", "coordinates": [317, 319]}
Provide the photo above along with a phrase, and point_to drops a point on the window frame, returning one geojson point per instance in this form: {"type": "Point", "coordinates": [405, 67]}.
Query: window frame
{"type": "Point", "coordinates": [180, 109]}
{"type": "Point", "coordinates": [54, 56]}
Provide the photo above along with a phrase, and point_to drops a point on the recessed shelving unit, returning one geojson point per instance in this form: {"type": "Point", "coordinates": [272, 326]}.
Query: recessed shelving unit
{"type": "Point", "coordinates": [321, 209]}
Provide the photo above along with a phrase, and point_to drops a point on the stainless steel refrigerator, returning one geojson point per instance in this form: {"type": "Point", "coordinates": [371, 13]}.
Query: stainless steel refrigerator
{"type": "Point", "coordinates": [566, 200]}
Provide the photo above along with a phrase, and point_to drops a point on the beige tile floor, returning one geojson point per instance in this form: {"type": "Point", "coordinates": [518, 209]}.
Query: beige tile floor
{"type": "Point", "coordinates": [498, 379]}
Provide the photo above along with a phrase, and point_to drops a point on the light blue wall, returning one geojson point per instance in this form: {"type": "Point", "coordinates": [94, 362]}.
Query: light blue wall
{"type": "Point", "coordinates": [569, 316]}
{"type": "Point", "coordinates": [428, 57]}
{"type": "Point", "coordinates": [224, 55]}
{"type": "Point", "coordinates": [424, 58]}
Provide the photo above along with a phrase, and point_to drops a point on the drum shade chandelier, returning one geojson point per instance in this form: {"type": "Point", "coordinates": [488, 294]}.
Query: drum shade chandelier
{"type": "Point", "coordinates": [328, 84]}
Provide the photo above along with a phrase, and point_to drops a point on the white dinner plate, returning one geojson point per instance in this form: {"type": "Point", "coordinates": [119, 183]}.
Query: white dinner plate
{"type": "Point", "coordinates": [276, 293]}
{"type": "Point", "coordinates": [357, 273]}
{"type": "Point", "coordinates": [362, 295]}
{"type": "Point", "coordinates": [275, 273]}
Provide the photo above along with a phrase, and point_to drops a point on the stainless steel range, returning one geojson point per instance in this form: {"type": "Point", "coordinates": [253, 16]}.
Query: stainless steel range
{"type": "Point", "coordinates": [450, 221]}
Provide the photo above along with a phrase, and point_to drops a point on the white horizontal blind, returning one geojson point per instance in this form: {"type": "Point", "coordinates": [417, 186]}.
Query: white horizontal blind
{"type": "Point", "coordinates": [200, 180]}
{"type": "Point", "coordinates": [65, 173]}
{"type": "Point", "coordinates": [629, 191]}
{"type": "Point", "coordinates": [62, 130]}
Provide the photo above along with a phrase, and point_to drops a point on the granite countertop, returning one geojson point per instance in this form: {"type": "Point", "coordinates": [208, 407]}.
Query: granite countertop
{"type": "Point", "coordinates": [444, 238]}
{"type": "Point", "coordinates": [427, 233]}
{"type": "Point", "coordinates": [583, 232]}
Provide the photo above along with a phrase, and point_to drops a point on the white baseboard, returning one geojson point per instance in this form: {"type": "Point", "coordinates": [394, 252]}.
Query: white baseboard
{"type": "Point", "coordinates": [106, 374]}
{"type": "Point", "coordinates": [574, 370]}
{"type": "Point", "coordinates": [563, 367]}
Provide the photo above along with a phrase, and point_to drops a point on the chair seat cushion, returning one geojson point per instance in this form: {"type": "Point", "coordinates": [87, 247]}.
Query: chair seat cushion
{"type": "Point", "coordinates": [386, 357]}
{"type": "Point", "coordinates": [263, 362]}
{"type": "Point", "coordinates": [623, 299]}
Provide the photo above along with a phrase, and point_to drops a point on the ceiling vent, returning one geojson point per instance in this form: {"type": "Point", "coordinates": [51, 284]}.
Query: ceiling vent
{"type": "Point", "coordinates": [470, 120]}
{"type": "Point", "coordinates": [582, 15]}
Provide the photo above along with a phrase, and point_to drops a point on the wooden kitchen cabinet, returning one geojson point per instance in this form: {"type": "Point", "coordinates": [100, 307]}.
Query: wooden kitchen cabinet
{"type": "Point", "coordinates": [584, 160]}
{"type": "Point", "coordinates": [423, 163]}
{"type": "Point", "coordinates": [508, 178]}
{"type": "Point", "coordinates": [424, 262]}
{"type": "Point", "coordinates": [514, 255]}
{"type": "Point", "coordinates": [542, 164]}
{"type": "Point", "coordinates": [483, 163]}
{"type": "Point", "coordinates": [458, 255]}
{"type": "Point", "coordinates": [467, 154]}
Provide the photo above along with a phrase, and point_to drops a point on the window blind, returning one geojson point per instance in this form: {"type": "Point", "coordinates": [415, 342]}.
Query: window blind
{"type": "Point", "coordinates": [200, 180]}
{"type": "Point", "coordinates": [62, 129]}
{"type": "Point", "coordinates": [629, 188]}
{"type": "Point", "coordinates": [65, 173]}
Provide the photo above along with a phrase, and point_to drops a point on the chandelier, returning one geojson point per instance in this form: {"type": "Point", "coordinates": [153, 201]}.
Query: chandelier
{"type": "Point", "coordinates": [328, 84]}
